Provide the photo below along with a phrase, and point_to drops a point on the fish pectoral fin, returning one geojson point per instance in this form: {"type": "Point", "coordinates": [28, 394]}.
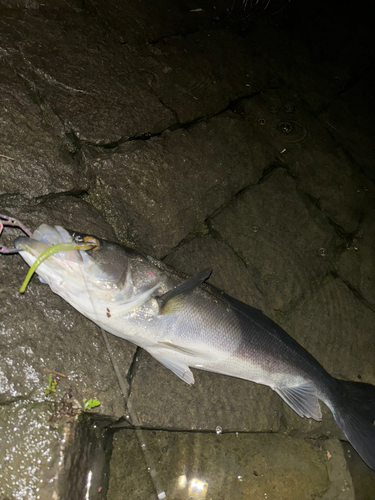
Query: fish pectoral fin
{"type": "Point", "coordinates": [302, 399]}
{"type": "Point", "coordinates": [168, 302]}
{"type": "Point", "coordinates": [173, 362]}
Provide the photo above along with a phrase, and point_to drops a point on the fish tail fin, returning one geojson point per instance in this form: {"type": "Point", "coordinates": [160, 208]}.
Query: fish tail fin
{"type": "Point", "coordinates": [354, 412]}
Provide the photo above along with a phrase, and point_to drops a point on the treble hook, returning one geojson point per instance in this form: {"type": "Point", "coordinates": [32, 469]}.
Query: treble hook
{"type": "Point", "coordinates": [10, 221]}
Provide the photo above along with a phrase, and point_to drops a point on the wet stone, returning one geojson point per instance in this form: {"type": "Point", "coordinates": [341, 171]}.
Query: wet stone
{"type": "Point", "coordinates": [363, 478]}
{"type": "Point", "coordinates": [33, 160]}
{"type": "Point", "coordinates": [46, 457]}
{"type": "Point", "coordinates": [225, 466]}
{"type": "Point", "coordinates": [334, 317]}
{"type": "Point", "coordinates": [349, 118]}
{"type": "Point", "coordinates": [29, 450]}
{"type": "Point", "coordinates": [320, 166]}
{"type": "Point", "coordinates": [195, 83]}
{"type": "Point", "coordinates": [356, 265]}
{"type": "Point", "coordinates": [341, 487]}
{"type": "Point", "coordinates": [229, 272]}
{"type": "Point", "coordinates": [162, 400]}
{"type": "Point", "coordinates": [95, 89]}
{"type": "Point", "coordinates": [85, 467]}
{"type": "Point", "coordinates": [284, 257]}
{"type": "Point", "coordinates": [284, 70]}
{"type": "Point", "coordinates": [163, 188]}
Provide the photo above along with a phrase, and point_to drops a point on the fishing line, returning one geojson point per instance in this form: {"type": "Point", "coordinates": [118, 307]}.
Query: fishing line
{"type": "Point", "coordinates": [135, 420]}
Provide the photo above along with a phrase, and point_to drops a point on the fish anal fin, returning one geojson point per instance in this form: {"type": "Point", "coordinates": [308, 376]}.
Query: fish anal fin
{"type": "Point", "coordinates": [170, 360]}
{"type": "Point", "coordinates": [302, 399]}
{"type": "Point", "coordinates": [171, 301]}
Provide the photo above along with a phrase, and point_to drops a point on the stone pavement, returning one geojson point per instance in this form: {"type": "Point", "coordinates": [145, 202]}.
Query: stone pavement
{"type": "Point", "coordinates": [204, 141]}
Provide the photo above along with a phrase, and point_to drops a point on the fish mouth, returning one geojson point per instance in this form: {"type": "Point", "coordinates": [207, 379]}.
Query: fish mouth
{"type": "Point", "coordinates": [42, 238]}
{"type": "Point", "coordinates": [59, 265]}
{"type": "Point", "coordinates": [33, 247]}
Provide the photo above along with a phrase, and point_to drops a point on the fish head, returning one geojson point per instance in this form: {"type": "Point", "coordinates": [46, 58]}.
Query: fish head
{"type": "Point", "coordinates": [90, 280]}
{"type": "Point", "coordinates": [105, 266]}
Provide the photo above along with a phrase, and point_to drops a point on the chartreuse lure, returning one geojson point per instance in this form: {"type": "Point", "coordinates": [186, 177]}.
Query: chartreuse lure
{"type": "Point", "coordinates": [59, 247]}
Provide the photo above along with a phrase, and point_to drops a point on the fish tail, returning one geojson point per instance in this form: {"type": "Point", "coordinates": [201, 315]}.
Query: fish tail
{"type": "Point", "coordinates": [354, 411]}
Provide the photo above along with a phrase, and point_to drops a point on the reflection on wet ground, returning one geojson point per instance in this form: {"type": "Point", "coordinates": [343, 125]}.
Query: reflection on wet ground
{"type": "Point", "coordinates": [236, 465]}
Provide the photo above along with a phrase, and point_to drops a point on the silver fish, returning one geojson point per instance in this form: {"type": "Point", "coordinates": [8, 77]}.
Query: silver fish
{"type": "Point", "coordinates": [187, 324]}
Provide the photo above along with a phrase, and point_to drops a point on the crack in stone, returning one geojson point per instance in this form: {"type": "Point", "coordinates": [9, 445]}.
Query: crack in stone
{"type": "Point", "coordinates": [51, 80]}
{"type": "Point", "coordinates": [169, 108]}
{"type": "Point", "coordinates": [174, 430]}
{"type": "Point", "coordinates": [354, 291]}
{"type": "Point", "coordinates": [188, 124]}
{"type": "Point", "coordinates": [216, 235]}
{"type": "Point", "coordinates": [14, 399]}
{"type": "Point", "coordinates": [133, 369]}
{"type": "Point", "coordinates": [74, 193]}
{"type": "Point", "coordinates": [231, 106]}
{"type": "Point", "coordinates": [184, 241]}
{"type": "Point", "coordinates": [266, 172]}
{"type": "Point", "coordinates": [339, 230]}
{"type": "Point", "coordinates": [352, 161]}
{"type": "Point", "coordinates": [345, 237]}
{"type": "Point", "coordinates": [329, 276]}
{"type": "Point", "coordinates": [349, 85]}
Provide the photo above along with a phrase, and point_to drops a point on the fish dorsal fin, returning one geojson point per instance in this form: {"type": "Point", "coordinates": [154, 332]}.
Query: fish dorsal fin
{"type": "Point", "coordinates": [167, 302]}
{"type": "Point", "coordinates": [302, 399]}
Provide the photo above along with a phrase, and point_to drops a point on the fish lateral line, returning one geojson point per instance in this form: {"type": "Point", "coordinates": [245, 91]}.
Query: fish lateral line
{"type": "Point", "coordinates": [59, 247]}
